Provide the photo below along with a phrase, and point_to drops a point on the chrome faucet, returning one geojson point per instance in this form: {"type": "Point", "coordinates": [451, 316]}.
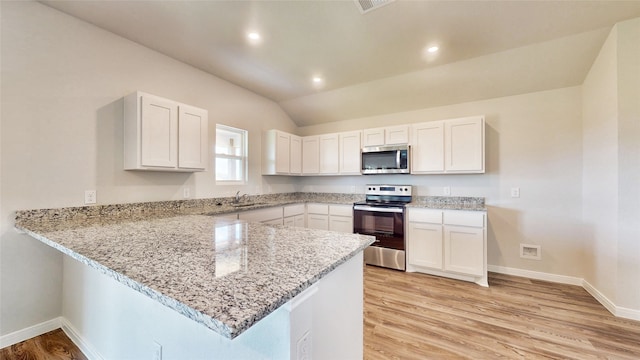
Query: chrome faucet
{"type": "Point", "coordinates": [238, 197]}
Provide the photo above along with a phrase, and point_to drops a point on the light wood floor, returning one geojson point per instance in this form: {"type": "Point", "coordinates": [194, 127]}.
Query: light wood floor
{"type": "Point", "coordinates": [54, 345]}
{"type": "Point", "coordinates": [417, 316]}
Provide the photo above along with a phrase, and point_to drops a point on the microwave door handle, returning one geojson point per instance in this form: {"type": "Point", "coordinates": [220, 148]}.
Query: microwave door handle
{"type": "Point", "coordinates": [397, 159]}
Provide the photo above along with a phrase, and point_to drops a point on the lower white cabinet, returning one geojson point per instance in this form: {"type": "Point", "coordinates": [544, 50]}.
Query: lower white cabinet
{"type": "Point", "coordinates": [294, 215]}
{"type": "Point", "coordinates": [449, 243]}
{"type": "Point", "coordinates": [341, 218]}
{"type": "Point", "coordinates": [271, 216]}
{"type": "Point", "coordinates": [318, 216]}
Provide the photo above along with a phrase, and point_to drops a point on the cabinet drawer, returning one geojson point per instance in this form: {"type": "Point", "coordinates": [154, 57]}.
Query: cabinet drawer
{"type": "Point", "coordinates": [296, 209]}
{"type": "Point", "coordinates": [261, 215]}
{"type": "Point", "coordinates": [425, 216]}
{"type": "Point", "coordinates": [318, 209]}
{"type": "Point", "coordinates": [464, 218]}
{"type": "Point", "coordinates": [341, 210]}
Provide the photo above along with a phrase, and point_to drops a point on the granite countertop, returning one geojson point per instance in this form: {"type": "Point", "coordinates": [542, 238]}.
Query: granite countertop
{"type": "Point", "coordinates": [449, 203]}
{"type": "Point", "coordinates": [224, 274]}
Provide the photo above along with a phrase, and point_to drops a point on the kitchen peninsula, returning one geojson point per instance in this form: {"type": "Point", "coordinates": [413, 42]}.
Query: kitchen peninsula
{"type": "Point", "coordinates": [196, 286]}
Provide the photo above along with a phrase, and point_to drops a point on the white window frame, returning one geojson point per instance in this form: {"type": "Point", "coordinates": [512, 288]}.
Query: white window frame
{"type": "Point", "coordinates": [243, 157]}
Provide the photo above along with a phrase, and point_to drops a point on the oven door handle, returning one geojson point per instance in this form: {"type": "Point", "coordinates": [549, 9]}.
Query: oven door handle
{"type": "Point", "coordinates": [377, 209]}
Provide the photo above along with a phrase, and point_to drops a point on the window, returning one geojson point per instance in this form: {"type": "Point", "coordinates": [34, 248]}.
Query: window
{"type": "Point", "coordinates": [231, 155]}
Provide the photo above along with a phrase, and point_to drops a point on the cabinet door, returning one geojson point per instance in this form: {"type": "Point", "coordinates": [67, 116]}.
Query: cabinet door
{"type": "Point", "coordinates": [295, 155]}
{"type": "Point", "coordinates": [464, 145]}
{"type": "Point", "coordinates": [350, 146]}
{"type": "Point", "coordinates": [373, 137]}
{"type": "Point", "coordinates": [298, 221]}
{"type": "Point", "coordinates": [315, 221]}
{"type": "Point", "coordinates": [329, 154]}
{"type": "Point", "coordinates": [341, 223]}
{"type": "Point", "coordinates": [396, 135]}
{"type": "Point", "coordinates": [310, 155]}
{"type": "Point", "coordinates": [159, 132]}
{"type": "Point", "coordinates": [464, 250]}
{"type": "Point", "coordinates": [424, 246]}
{"type": "Point", "coordinates": [193, 135]}
{"type": "Point", "coordinates": [282, 152]}
{"type": "Point", "coordinates": [427, 147]}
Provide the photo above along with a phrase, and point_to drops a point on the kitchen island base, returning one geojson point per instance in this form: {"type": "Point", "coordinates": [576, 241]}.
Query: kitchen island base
{"type": "Point", "coordinates": [114, 321]}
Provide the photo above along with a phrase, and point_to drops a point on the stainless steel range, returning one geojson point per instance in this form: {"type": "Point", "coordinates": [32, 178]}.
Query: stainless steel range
{"type": "Point", "coordinates": [382, 215]}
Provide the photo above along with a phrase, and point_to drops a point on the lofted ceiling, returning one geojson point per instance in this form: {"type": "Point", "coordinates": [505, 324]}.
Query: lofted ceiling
{"type": "Point", "coordinates": [372, 63]}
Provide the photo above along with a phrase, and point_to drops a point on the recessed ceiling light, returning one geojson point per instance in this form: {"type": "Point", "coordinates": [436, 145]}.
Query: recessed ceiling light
{"type": "Point", "coordinates": [432, 49]}
{"type": "Point", "coordinates": [317, 79]}
{"type": "Point", "coordinates": [254, 37]}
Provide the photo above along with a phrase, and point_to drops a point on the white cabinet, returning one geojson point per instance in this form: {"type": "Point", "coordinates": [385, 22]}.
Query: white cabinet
{"type": "Point", "coordinates": [164, 135]}
{"type": "Point", "coordinates": [281, 153]}
{"type": "Point", "coordinates": [390, 135]}
{"type": "Point", "coordinates": [350, 145]}
{"type": "Point", "coordinates": [448, 146]}
{"type": "Point", "coordinates": [272, 215]}
{"type": "Point", "coordinates": [329, 154]}
{"type": "Point", "coordinates": [427, 148]}
{"type": "Point", "coordinates": [448, 243]}
{"type": "Point", "coordinates": [464, 145]}
{"type": "Point", "coordinates": [318, 216]}
{"type": "Point", "coordinates": [294, 215]}
{"type": "Point", "coordinates": [295, 152]}
{"type": "Point", "coordinates": [310, 155]}
{"type": "Point", "coordinates": [341, 218]}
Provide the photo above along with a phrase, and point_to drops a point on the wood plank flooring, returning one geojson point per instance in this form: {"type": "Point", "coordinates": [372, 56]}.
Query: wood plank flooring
{"type": "Point", "coordinates": [54, 345]}
{"type": "Point", "coordinates": [418, 316]}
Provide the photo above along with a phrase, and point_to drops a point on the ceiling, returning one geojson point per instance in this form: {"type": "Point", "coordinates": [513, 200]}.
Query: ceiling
{"type": "Point", "coordinates": [373, 63]}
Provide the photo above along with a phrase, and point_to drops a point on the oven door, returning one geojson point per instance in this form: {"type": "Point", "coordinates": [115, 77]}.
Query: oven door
{"type": "Point", "coordinates": [385, 223]}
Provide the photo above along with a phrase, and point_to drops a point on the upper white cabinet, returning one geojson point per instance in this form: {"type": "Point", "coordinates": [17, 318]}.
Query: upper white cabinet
{"type": "Point", "coordinates": [329, 154]}
{"type": "Point", "coordinates": [464, 145]}
{"type": "Point", "coordinates": [448, 146]}
{"type": "Point", "coordinates": [391, 135]}
{"type": "Point", "coordinates": [164, 135]}
{"type": "Point", "coordinates": [281, 153]}
{"type": "Point", "coordinates": [310, 155]}
{"type": "Point", "coordinates": [427, 147]}
{"type": "Point", "coordinates": [350, 145]}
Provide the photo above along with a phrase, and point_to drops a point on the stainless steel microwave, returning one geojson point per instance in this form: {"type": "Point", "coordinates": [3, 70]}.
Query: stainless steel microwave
{"type": "Point", "coordinates": [386, 160]}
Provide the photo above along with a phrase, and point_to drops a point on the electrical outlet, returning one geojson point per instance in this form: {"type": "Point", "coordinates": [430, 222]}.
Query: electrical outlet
{"type": "Point", "coordinates": [515, 192]}
{"type": "Point", "coordinates": [89, 197]}
{"type": "Point", "coordinates": [447, 190]}
{"type": "Point", "coordinates": [186, 192]}
{"type": "Point", "coordinates": [157, 351]}
{"type": "Point", "coordinates": [304, 347]}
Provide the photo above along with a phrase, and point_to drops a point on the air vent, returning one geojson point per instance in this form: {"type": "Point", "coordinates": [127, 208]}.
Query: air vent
{"type": "Point", "coordinates": [368, 5]}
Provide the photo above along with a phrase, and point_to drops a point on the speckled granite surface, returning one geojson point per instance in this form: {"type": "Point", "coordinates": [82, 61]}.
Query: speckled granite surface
{"type": "Point", "coordinates": [224, 274]}
{"type": "Point", "coordinates": [449, 203]}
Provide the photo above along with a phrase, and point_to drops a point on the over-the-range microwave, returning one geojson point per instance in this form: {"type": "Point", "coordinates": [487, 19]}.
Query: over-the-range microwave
{"type": "Point", "coordinates": [393, 159]}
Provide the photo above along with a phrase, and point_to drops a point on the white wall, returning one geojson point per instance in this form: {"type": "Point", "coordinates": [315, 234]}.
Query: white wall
{"type": "Point", "coordinates": [611, 172]}
{"type": "Point", "coordinates": [533, 141]}
{"type": "Point", "coordinates": [62, 86]}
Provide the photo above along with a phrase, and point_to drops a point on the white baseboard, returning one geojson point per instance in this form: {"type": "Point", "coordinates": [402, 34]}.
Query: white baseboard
{"type": "Point", "coordinates": [87, 349]}
{"type": "Point", "coordinates": [562, 279]}
{"type": "Point", "coordinates": [30, 332]}
{"type": "Point", "coordinates": [618, 311]}
{"type": "Point", "coordinates": [50, 325]}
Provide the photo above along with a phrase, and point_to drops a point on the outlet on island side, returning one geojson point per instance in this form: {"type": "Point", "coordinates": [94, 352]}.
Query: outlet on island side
{"type": "Point", "coordinates": [157, 351]}
{"type": "Point", "coordinates": [304, 347]}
